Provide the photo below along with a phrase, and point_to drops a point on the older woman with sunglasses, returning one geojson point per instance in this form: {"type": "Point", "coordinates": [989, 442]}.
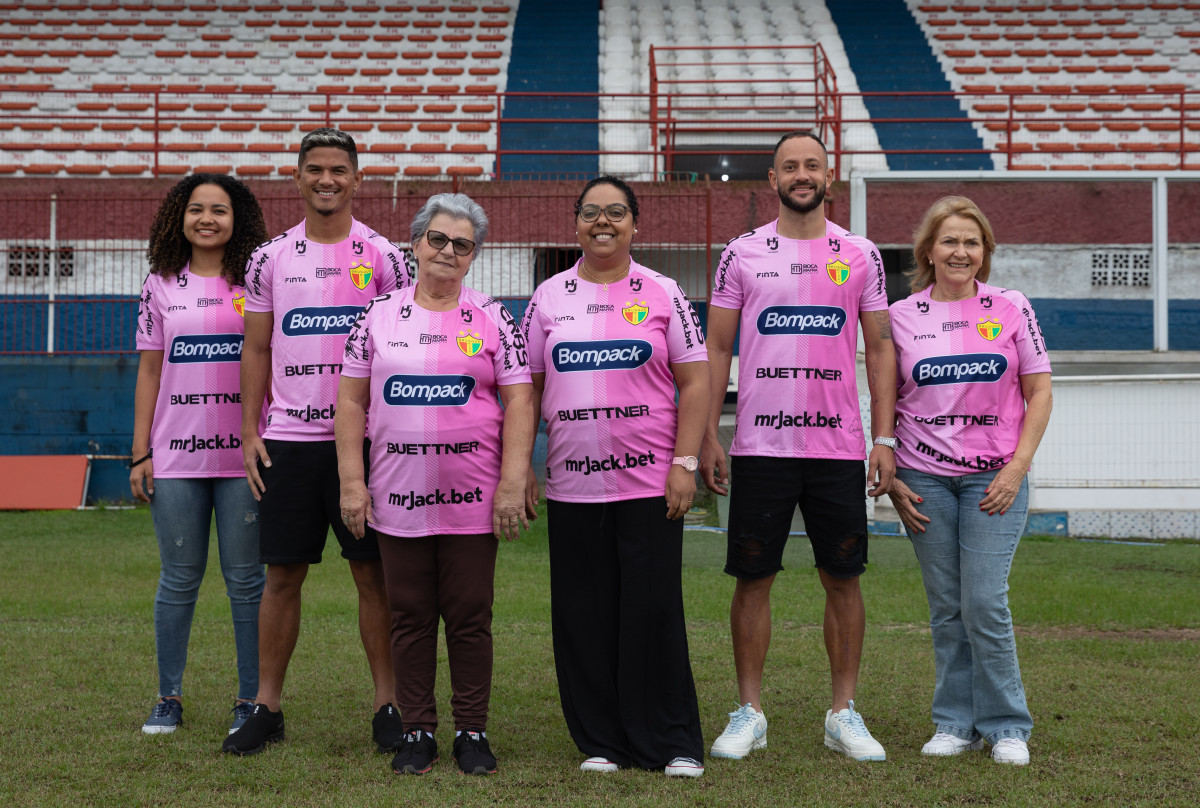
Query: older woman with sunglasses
{"type": "Point", "coordinates": [432, 363]}
{"type": "Point", "coordinates": [609, 343]}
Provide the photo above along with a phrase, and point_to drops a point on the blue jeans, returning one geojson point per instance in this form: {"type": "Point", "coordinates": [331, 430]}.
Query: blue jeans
{"type": "Point", "coordinates": [965, 558]}
{"type": "Point", "coordinates": [182, 511]}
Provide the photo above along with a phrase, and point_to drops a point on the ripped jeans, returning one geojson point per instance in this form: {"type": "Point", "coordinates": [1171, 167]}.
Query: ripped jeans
{"type": "Point", "coordinates": [182, 510]}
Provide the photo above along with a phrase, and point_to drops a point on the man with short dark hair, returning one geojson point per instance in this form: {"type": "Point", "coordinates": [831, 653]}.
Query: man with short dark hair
{"type": "Point", "coordinates": [304, 291]}
{"type": "Point", "coordinates": [797, 286]}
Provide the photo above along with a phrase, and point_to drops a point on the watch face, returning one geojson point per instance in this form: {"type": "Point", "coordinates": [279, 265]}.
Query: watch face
{"type": "Point", "coordinates": [690, 464]}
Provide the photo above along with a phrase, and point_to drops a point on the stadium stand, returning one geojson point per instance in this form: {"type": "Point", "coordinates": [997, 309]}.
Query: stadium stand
{"type": "Point", "coordinates": [166, 88]}
{"type": "Point", "coordinates": [1075, 85]}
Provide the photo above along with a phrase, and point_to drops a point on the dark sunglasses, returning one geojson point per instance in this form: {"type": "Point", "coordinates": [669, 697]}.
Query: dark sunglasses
{"type": "Point", "coordinates": [614, 212]}
{"type": "Point", "coordinates": [438, 240]}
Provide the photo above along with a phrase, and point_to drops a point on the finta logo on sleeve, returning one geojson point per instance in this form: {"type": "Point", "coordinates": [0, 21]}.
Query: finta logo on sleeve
{"type": "Point", "coordinates": [807, 321]}
{"type": "Point", "coordinates": [191, 348]}
{"type": "Point", "coordinates": [428, 391]}
{"type": "Point", "coordinates": [613, 354]}
{"type": "Point", "coordinates": [318, 321]}
{"type": "Point", "coordinates": [960, 369]}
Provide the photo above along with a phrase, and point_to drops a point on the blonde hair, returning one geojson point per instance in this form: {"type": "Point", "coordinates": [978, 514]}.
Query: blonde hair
{"type": "Point", "coordinates": [921, 275]}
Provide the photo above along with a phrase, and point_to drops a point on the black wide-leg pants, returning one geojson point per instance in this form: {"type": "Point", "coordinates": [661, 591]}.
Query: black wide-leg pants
{"type": "Point", "coordinates": [620, 642]}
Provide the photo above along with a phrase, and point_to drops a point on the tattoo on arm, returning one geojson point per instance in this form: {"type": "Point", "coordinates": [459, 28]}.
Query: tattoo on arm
{"type": "Point", "coordinates": [884, 322]}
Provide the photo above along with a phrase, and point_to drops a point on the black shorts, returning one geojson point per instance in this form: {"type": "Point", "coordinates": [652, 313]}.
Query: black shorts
{"type": "Point", "coordinates": [764, 494]}
{"type": "Point", "coordinates": [301, 503]}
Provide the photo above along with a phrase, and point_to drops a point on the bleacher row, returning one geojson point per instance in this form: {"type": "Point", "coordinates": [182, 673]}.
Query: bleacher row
{"type": "Point", "coordinates": [1075, 85]}
{"type": "Point", "coordinates": [132, 88]}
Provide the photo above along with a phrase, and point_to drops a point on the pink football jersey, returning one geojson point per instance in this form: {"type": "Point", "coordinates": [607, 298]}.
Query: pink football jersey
{"type": "Point", "coordinates": [316, 292]}
{"type": "Point", "coordinates": [197, 323]}
{"type": "Point", "coordinates": [799, 301]}
{"type": "Point", "coordinates": [609, 400]}
{"type": "Point", "coordinates": [960, 408]}
{"type": "Point", "coordinates": [435, 419]}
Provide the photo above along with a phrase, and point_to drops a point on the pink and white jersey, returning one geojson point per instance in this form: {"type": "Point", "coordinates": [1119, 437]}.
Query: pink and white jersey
{"type": "Point", "coordinates": [435, 420]}
{"type": "Point", "coordinates": [316, 292]}
{"type": "Point", "coordinates": [960, 408]}
{"type": "Point", "coordinates": [799, 302]}
{"type": "Point", "coordinates": [609, 399]}
{"type": "Point", "coordinates": [197, 323]}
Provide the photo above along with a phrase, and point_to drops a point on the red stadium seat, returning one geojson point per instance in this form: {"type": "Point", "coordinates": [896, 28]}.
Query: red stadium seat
{"type": "Point", "coordinates": [422, 171]}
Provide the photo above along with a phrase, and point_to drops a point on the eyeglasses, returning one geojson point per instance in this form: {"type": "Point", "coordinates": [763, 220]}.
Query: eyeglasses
{"type": "Point", "coordinates": [614, 212]}
{"type": "Point", "coordinates": [461, 246]}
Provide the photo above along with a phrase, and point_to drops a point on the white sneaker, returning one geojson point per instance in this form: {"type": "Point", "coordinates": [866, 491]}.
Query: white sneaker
{"type": "Point", "coordinates": [597, 764]}
{"type": "Point", "coordinates": [746, 730]}
{"type": "Point", "coordinates": [845, 732]}
{"type": "Point", "coordinates": [1011, 750]}
{"type": "Point", "coordinates": [944, 744]}
{"type": "Point", "coordinates": [684, 767]}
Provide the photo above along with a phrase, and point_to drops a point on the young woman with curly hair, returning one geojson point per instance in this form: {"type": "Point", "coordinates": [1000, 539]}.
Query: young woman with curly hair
{"type": "Point", "coordinates": [187, 461]}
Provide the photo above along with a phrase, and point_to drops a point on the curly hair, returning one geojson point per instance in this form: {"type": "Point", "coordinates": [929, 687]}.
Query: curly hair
{"type": "Point", "coordinates": [169, 251]}
{"type": "Point", "coordinates": [922, 275]}
{"type": "Point", "coordinates": [620, 185]}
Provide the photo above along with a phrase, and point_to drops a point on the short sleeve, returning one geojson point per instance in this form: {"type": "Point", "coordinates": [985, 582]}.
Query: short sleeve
{"type": "Point", "coordinates": [149, 320]}
{"type": "Point", "coordinates": [396, 274]}
{"type": "Point", "coordinates": [258, 280]}
{"type": "Point", "coordinates": [1031, 347]}
{"type": "Point", "coordinates": [727, 285]}
{"type": "Point", "coordinates": [359, 349]}
{"type": "Point", "coordinates": [533, 327]}
{"type": "Point", "coordinates": [874, 293]}
{"type": "Point", "coordinates": [685, 340]}
{"type": "Point", "coordinates": [511, 361]}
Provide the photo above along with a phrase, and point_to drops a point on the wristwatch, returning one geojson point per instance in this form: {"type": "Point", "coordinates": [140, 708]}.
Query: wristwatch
{"type": "Point", "coordinates": [891, 443]}
{"type": "Point", "coordinates": [689, 463]}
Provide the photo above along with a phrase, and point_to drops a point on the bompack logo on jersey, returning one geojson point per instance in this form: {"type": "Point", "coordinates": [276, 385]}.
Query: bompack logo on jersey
{"type": "Point", "coordinates": [807, 321]}
{"type": "Point", "coordinates": [838, 271]}
{"type": "Point", "coordinates": [596, 308]}
{"type": "Point", "coordinates": [988, 328]}
{"type": "Point", "coordinates": [329, 272]}
{"type": "Point", "coordinates": [320, 321]}
{"type": "Point", "coordinates": [239, 305]}
{"type": "Point", "coordinates": [635, 312]}
{"type": "Point", "coordinates": [192, 348]}
{"type": "Point", "coordinates": [613, 354]}
{"type": "Point", "coordinates": [469, 342]}
{"type": "Point", "coordinates": [403, 390]}
{"type": "Point", "coordinates": [361, 272]}
{"type": "Point", "coordinates": [960, 369]}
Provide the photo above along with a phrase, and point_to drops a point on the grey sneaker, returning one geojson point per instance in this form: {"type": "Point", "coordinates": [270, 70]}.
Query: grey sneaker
{"type": "Point", "coordinates": [166, 717]}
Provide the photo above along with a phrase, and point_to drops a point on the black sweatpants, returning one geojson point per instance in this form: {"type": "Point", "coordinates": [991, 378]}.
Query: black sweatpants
{"type": "Point", "coordinates": [620, 642]}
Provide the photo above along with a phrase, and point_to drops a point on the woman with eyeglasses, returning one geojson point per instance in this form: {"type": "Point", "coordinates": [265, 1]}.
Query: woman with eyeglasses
{"type": "Point", "coordinates": [431, 364]}
{"type": "Point", "coordinates": [610, 342]}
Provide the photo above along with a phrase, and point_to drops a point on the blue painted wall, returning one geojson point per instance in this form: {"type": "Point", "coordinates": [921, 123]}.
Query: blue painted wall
{"type": "Point", "coordinates": [1115, 325]}
{"type": "Point", "coordinates": [555, 49]}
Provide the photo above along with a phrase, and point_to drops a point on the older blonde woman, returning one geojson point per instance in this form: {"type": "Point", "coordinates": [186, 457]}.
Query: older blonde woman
{"type": "Point", "coordinates": [974, 400]}
{"type": "Point", "coordinates": [447, 471]}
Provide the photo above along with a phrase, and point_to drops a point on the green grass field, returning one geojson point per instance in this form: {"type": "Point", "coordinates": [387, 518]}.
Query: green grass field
{"type": "Point", "coordinates": [1107, 636]}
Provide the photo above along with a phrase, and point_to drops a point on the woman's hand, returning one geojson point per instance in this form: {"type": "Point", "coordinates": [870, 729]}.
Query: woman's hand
{"type": "Point", "coordinates": [905, 501]}
{"type": "Point", "coordinates": [532, 494]}
{"type": "Point", "coordinates": [1002, 491]}
{"type": "Point", "coordinates": [142, 473]}
{"type": "Point", "coordinates": [356, 508]}
{"type": "Point", "coordinates": [681, 489]}
{"type": "Point", "coordinates": [508, 509]}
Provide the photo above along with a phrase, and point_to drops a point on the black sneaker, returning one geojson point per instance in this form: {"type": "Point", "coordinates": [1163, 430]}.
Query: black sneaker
{"type": "Point", "coordinates": [473, 754]}
{"type": "Point", "coordinates": [261, 728]}
{"type": "Point", "coordinates": [387, 729]}
{"type": "Point", "coordinates": [418, 752]}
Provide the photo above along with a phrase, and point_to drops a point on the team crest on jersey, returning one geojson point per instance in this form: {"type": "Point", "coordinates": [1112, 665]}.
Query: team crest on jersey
{"type": "Point", "coordinates": [361, 273]}
{"type": "Point", "coordinates": [988, 328]}
{"type": "Point", "coordinates": [839, 271]}
{"type": "Point", "coordinates": [239, 305]}
{"type": "Point", "coordinates": [469, 342]}
{"type": "Point", "coordinates": [635, 312]}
